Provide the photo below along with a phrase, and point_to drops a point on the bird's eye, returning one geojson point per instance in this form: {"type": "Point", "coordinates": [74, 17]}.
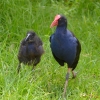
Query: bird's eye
{"type": "Point", "coordinates": [60, 19]}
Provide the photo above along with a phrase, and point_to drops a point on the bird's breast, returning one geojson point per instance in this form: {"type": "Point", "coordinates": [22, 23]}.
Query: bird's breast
{"type": "Point", "coordinates": [64, 48]}
{"type": "Point", "coordinates": [31, 49]}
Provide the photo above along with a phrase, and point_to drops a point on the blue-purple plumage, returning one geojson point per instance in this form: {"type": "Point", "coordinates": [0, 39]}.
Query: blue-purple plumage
{"type": "Point", "coordinates": [65, 46]}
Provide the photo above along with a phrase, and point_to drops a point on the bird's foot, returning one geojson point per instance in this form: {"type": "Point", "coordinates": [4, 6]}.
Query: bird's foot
{"type": "Point", "coordinates": [33, 69]}
{"type": "Point", "coordinates": [18, 68]}
{"type": "Point", "coordinates": [74, 74]}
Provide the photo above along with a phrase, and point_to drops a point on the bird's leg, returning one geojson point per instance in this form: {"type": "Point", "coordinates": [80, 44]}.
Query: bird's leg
{"type": "Point", "coordinates": [74, 74]}
{"type": "Point", "coordinates": [18, 68]}
{"type": "Point", "coordinates": [66, 82]}
{"type": "Point", "coordinates": [36, 61]}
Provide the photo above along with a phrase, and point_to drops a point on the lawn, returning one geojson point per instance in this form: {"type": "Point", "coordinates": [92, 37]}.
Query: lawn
{"type": "Point", "coordinates": [46, 82]}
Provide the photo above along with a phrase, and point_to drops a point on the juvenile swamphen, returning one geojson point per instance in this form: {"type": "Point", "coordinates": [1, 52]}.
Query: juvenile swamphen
{"type": "Point", "coordinates": [65, 46]}
{"type": "Point", "coordinates": [30, 50]}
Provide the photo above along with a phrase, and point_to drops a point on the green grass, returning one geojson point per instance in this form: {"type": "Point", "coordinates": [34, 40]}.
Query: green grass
{"type": "Point", "coordinates": [46, 82]}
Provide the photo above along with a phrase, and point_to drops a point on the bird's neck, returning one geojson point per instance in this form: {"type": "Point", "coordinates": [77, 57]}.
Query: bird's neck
{"type": "Point", "coordinates": [61, 29]}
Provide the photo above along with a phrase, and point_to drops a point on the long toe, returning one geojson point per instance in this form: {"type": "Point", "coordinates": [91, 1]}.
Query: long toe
{"type": "Point", "coordinates": [74, 74]}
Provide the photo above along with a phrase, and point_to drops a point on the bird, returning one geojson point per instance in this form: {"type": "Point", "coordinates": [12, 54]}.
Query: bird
{"type": "Point", "coordinates": [65, 47]}
{"type": "Point", "coordinates": [30, 50]}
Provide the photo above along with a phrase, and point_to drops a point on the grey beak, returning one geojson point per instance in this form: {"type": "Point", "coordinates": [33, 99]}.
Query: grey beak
{"type": "Point", "coordinates": [27, 37]}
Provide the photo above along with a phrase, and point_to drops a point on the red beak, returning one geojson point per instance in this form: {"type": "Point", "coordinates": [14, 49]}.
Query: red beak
{"type": "Point", "coordinates": [55, 22]}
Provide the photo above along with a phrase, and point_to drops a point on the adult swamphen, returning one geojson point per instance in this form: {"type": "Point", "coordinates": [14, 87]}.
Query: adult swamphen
{"type": "Point", "coordinates": [65, 46]}
{"type": "Point", "coordinates": [30, 50]}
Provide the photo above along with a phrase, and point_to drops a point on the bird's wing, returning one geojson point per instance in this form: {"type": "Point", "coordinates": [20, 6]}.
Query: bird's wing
{"type": "Point", "coordinates": [78, 50]}
{"type": "Point", "coordinates": [61, 62]}
{"type": "Point", "coordinates": [57, 59]}
{"type": "Point", "coordinates": [40, 42]}
{"type": "Point", "coordinates": [37, 41]}
{"type": "Point", "coordinates": [51, 37]}
{"type": "Point", "coordinates": [23, 42]}
{"type": "Point", "coordinates": [78, 47]}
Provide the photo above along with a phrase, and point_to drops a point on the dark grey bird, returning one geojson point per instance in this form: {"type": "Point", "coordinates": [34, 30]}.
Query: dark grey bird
{"type": "Point", "coordinates": [31, 50]}
{"type": "Point", "coordinates": [65, 46]}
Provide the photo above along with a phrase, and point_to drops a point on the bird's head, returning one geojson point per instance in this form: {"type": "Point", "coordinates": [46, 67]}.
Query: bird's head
{"type": "Point", "coordinates": [59, 20]}
{"type": "Point", "coordinates": [30, 36]}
